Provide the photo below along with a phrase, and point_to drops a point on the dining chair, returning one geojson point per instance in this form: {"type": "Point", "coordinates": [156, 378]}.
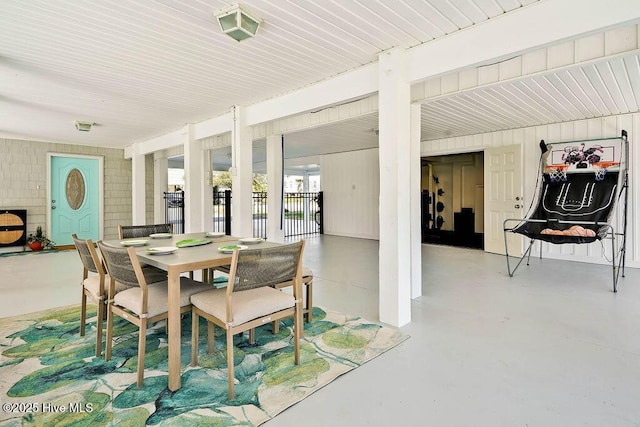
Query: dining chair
{"type": "Point", "coordinates": [93, 286]}
{"type": "Point", "coordinates": [307, 288]}
{"type": "Point", "coordinates": [143, 303]}
{"type": "Point", "coordinates": [132, 231]}
{"type": "Point", "coordinates": [251, 299]}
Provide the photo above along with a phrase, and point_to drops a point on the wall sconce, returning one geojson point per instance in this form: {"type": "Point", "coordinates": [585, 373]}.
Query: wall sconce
{"type": "Point", "coordinates": [237, 23]}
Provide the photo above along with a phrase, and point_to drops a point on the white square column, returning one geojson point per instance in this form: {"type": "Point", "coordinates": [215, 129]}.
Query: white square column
{"type": "Point", "coordinates": [241, 175]}
{"type": "Point", "coordinates": [160, 186]}
{"type": "Point", "coordinates": [395, 257]}
{"type": "Point", "coordinates": [275, 215]}
{"type": "Point", "coordinates": [416, 205]}
{"type": "Point", "coordinates": [194, 183]}
{"type": "Point", "coordinates": [138, 190]}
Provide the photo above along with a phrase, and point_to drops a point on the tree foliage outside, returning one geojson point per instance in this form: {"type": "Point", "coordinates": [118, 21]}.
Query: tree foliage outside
{"type": "Point", "coordinates": [223, 181]}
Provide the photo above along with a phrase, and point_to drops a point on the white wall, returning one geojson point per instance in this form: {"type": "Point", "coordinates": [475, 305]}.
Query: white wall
{"type": "Point", "coordinates": [351, 186]}
{"type": "Point", "coordinates": [529, 138]}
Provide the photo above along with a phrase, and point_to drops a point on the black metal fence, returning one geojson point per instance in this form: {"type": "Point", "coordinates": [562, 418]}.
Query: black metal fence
{"type": "Point", "coordinates": [222, 211]}
{"type": "Point", "coordinates": [302, 213]}
{"type": "Point", "coordinates": [174, 210]}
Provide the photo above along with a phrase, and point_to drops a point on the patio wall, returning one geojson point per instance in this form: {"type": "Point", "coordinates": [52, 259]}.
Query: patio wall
{"type": "Point", "coordinates": [23, 166]}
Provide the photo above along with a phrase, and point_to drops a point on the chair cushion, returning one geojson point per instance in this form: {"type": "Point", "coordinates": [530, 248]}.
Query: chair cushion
{"type": "Point", "coordinates": [246, 305]}
{"type": "Point", "coordinates": [157, 298]}
{"type": "Point", "coordinates": [92, 284]}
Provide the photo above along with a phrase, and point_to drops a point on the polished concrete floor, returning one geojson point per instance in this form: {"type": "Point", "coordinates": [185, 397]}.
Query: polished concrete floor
{"type": "Point", "coordinates": [552, 346]}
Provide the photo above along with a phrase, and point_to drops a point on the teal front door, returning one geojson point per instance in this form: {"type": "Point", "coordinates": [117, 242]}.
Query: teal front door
{"type": "Point", "coordinates": [75, 198]}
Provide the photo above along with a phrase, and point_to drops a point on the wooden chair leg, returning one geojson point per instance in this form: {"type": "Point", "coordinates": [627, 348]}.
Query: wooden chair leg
{"type": "Point", "coordinates": [309, 287]}
{"type": "Point", "coordinates": [230, 373]}
{"type": "Point", "coordinates": [275, 327]}
{"type": "Point", "coordinates": [252, 336]}
{"type": "Point", "coordinates": [142, 343]}
{"type": "Point", "coordinates": [99, 321]}
{"type": "Point", "coordinates": [83, 313]}
{"type": "Point", "coordinates": [109, 339]}
{"type": "Point", "coordinates": [297, 332]}
{"type": "Point", "coordinates": [194, 338]}
{"type": "Point", "coordinates": [211, 347]}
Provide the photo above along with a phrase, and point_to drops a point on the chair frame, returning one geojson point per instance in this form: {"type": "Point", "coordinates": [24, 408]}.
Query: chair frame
{"type": "Point", "coordinates": [99, 269]}
{"type": "Point", "coordinates": [295, 311]}
{"type": "Point", "coordinates": [129, 231]}
{"type": "Point", "coordinates": [141, 321]}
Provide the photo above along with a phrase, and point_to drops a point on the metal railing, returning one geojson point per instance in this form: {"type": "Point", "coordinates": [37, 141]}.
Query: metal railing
{"type": "Point", "coordinates": [174, 210]}
{"type": "Point", "coordinates": [302, 213]}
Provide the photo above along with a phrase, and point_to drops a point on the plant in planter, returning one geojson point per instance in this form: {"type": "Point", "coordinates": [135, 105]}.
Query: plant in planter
{"type": "Point", "coordinates": [39, 241]}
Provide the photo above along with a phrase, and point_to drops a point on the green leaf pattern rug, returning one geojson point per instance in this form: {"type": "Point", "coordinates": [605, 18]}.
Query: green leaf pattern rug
{"type": "Point", "coordinates": [49, 375]}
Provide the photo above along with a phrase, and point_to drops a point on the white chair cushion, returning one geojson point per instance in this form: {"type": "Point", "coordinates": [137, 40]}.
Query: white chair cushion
{"type": "Point", "coordinates": [158, 296]}
{"type": "Point", "coordinates": [92, 284]}
{"type": "Point", "coordinates": [246, 305]}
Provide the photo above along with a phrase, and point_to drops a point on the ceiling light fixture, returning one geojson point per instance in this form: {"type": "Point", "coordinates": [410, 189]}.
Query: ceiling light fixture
{"type": "Point", "coordinates": [83, 126]}
{"type": "Point", "coordinates": [237, 23]}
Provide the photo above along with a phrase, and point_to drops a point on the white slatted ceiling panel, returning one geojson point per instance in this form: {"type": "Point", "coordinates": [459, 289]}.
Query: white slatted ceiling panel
{"type": "Point", "coordinates": [144, 68]}
{"type": "Point", "coordinates": [601, 89]}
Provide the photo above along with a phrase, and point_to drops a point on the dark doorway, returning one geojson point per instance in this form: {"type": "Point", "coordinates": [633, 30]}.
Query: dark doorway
{"type": "Point", "coordinates": [453, 200]}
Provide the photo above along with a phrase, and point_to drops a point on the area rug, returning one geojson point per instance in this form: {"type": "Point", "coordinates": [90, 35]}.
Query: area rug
{"type": "Point", "coordinates": [49, 375]}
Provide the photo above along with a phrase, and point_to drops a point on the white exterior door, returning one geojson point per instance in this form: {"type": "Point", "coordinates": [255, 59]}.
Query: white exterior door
{"type": "Point", "coordinates": [503, 197]}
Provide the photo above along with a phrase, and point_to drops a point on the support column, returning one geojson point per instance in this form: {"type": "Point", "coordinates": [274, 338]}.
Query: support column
{"type": "Point", "coordinates": [241, 175]}
{"type": "Point", "coordinates": [138, 190]}
{"type": "Point", "coordinates": [207, 196]}
{"type": "Point", "coordinates": [395, 184]}
{"type": "Point", "coordinates": [193, 183]}
{"type": "Point", "coordinates": [414, 194]}
{"type": "Point", "coordinates": [160, 185]}
{"type": "Point", "coordinates": [275, 228]}
{"type": "Point", "coordinates": [305, 189]}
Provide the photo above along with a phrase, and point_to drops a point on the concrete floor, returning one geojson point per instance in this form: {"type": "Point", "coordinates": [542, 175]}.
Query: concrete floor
{"type": "Point", "coordinates": [552, 346]}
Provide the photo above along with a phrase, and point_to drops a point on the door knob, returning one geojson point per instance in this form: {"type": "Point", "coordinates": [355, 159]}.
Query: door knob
{"type": "Point", "coordinates": [517, 206]}
{"type": "Point", "coordinates": [53, 201]}
{"type": "Point", "coordinates": [53, 207]}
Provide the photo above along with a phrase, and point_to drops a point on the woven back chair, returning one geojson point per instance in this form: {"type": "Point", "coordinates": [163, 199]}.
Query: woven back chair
{"type": "Point", "coordinates": [133, 231]}
{"type": "Point", "coordinates": [251, 299]}
{"type": "Point", "coordinates": [143, 303]}
{"type": "Point", "coordinates": [93, 286]}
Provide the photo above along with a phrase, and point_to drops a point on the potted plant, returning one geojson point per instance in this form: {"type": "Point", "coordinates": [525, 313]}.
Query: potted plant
{"type": "Point", "coordinates": [39, 241]}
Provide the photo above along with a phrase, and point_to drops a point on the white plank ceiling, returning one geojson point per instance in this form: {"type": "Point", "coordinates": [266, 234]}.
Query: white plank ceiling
{"type": "Point", "coordinates": [143, 68]}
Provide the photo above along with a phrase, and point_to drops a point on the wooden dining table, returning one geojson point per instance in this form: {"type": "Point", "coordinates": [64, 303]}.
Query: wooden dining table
{"type": "Point", "coordinates": [184, 259]}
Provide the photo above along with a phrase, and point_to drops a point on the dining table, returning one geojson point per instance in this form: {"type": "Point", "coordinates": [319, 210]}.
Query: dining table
{"type": "Point", "coordinates": [178, 254]}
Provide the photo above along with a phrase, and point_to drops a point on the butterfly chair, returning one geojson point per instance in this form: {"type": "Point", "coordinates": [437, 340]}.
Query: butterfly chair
{"type": "Point", "coordinates": [251, 299]}
{"type": "Point", "coordinates": [93, 286]}
{"type": "Point", "coordinates": [143, 303]}
{"type": "Point", "coordinates": [132, 231]}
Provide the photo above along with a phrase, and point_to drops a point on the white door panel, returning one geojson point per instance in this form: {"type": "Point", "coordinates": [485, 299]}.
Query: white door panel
{"type": "Point", "coordinates": [503, 197]}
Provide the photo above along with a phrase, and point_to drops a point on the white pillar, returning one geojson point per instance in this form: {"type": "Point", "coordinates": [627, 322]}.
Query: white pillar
{"type": "Point", "coordinates": [193, 183]}
{"type": "Point", "coordinates": [275, 228]}
{"type": "Point", "coordinates": [305, 189]}
{"type": "Point", "coordinates": [207, 195]}
{"type": "Point", "coordinates": [395, 184]}
{"type": "Point", "coordinates": [160, 185]}
{"type": "Point", "coordinates": [414, 193]}
{"type": "Point", "coordinates": [241, 175]}
{"type": "Point", "coordinates": [138, 190]}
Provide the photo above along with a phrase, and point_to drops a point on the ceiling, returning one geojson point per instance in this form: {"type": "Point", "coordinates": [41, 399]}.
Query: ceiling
{"type": "Point", "coordinates": [141, 69]}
